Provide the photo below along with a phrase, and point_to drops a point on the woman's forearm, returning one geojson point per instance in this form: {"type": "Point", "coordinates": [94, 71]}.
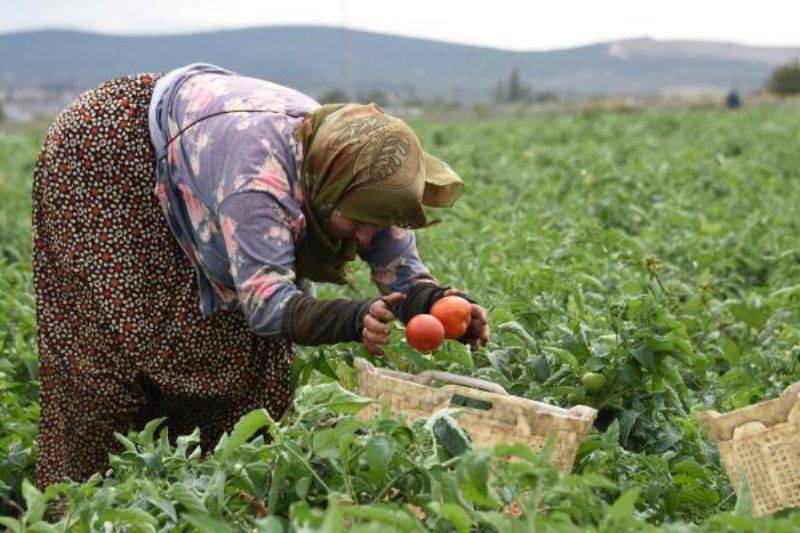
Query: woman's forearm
{"type": "Point", "coordinates": [310, 321]}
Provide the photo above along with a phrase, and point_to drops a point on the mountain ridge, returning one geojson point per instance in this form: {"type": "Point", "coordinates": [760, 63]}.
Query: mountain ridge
{"type": "Point", "coordinates": [316, 59]}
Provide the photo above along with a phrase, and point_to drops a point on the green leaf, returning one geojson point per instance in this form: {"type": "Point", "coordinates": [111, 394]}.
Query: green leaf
{"type": "Point", "coordinates": [624, 506]}
{"type": "Point", "coordinates": [473, 476]}
{"type": "Point", "coordinates": [457, 353]}
{"type": "Point", "coordinates": [645, 355]}
{"type": "Point", "coordinates": [302, 486]}
{"type": "Point", "coordinates": [276, 485]}
{"type": "Point", "coordinates": [186, 497]}
{"type": "Point", "coordinates": [626, 422]}
{"type": "Point", "coordinates": [450, 435]}
{"type": "Point", "coordinates": [598, 481]}
{"type": "Point", "coordinates": [457, 516]}
{"type": "Point", "coordinates": [334, 519]}
{"type": "Point", "coordinates": [270, 524]}
{"type": "Point", "coordinates": [541, 369]}
{"type": "Point", "coordinates": [576, 345]}
{"type": "Point", "coordinates": [245, 428]}
{"type": "Point", "coordinates": [517, 329]}
{"type": "Point", "coordinates": [184, 441]}
{"type": "Point", "coordinates": [744, 503]}
{"type": "Point", "coordinates": [494, 375]}
{"type": "Point", "coordinates": [11, 523]}
{"type": "Point", "coordinates": [130, 515]}
{"type": "Point", "coordinates": [34, 501]}
{"type": "Point", "coordinates": [384, 514]}
{"type": "Point", "coordinates": [206, 524]}
{"type": "Point", "coordinates": [166, 506]}
{"type": "Point", "coordinates": [42, 527]}
{"type": "Point", "coordinates": [328, 442]}
{"type": "Point", "coordinates": [129, 445]}
{"type": "Point", "coordinates": [688, 467]}
{"type": "Point", "coordinates": [146, 435]}
{"type": "Point", "coordinates": [501, 522]}
{"type": "Point", "coordinates": [563, 355]}
{"type": "Point", "coordinates": [321, 365]}
{"type": "Point", "coordinates": [378, 453]}
{"type": "Point", "coordinates": [752, 316]}
{"type": "Point", "coordinates": [330, 396]}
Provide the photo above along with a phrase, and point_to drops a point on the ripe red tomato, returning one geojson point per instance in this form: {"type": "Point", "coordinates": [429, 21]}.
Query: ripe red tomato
{"type": "Point", "coordinates": [425, 332]}
{"type": "Point", "coordinates": [455, 313]}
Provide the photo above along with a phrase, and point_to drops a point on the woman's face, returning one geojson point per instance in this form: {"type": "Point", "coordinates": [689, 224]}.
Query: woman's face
{"type": "Point", "coordinates": [346, 228]}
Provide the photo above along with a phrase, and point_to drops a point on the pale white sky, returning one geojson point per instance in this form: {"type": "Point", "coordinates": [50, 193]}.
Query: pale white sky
{"type": "Point", "coordinates": [519, 25]}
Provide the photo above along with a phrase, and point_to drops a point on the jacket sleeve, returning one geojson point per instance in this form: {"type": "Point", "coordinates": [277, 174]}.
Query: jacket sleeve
{"type": "Point", "coordinates": [394, 262]}
{"type": "Point", "coordinates": [260, 246]}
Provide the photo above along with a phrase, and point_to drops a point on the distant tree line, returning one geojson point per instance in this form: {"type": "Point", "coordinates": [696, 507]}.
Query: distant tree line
{"type": "Point", "coordinates": [514, 90]}
{"type": "Point", "coordinates": [511, 89]}
{"type": "Point", "coordinates": [785, 79]}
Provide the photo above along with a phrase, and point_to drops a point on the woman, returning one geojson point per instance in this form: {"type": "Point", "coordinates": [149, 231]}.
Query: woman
{"type": "Point", "coordinates": [185, 303]}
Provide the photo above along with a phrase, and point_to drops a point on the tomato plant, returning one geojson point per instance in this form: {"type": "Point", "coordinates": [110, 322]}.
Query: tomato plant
{"type": "Point", "coordinates": [644, 263]}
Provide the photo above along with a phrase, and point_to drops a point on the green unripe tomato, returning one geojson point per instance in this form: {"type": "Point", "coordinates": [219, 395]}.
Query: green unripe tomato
{"type": "Point", "coordinates": [572, 398]}
{"type": "Point", "coordinates": [593, 381]}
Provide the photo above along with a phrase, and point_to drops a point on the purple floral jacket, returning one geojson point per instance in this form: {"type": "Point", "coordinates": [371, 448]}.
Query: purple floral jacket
{"type": "Point", "coordinates": [228, 183]}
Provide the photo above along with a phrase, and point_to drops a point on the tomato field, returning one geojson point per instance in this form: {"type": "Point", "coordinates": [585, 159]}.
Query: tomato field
{"type": "Point", "coordinates": [644, 263]}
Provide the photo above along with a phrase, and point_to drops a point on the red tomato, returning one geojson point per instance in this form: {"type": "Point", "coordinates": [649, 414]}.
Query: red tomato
{"type": "Point", "coordinates": [425, 333]}
{"type": "Point", "coordinates": [455, 313]}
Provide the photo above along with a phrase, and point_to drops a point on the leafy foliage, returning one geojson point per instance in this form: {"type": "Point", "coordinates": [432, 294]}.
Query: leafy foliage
{"type": "Point", "coordinates": [785, 79]}
{"type": "Point", "coordinates": [659, 251]}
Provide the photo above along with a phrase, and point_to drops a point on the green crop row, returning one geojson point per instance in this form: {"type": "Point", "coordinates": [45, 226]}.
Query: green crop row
{"type": "Point", "coordinates": [646, 264]}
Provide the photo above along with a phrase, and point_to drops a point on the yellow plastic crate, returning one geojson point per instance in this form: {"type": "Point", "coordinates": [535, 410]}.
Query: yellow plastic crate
{"type": "Point", "coordinates": [490, 415]}
{"type": "Point", "coordinates": [762, 442]}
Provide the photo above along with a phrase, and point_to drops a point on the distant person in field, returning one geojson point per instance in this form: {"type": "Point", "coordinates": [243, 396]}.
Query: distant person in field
{"type": "Point", "coordinates": [179, 223]}
{"type": "Point", "coordinates": [732, 100]}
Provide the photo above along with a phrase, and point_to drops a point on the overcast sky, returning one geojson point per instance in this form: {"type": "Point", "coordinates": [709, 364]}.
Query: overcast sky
{"type": "Point", "coordinates": [519, 24]}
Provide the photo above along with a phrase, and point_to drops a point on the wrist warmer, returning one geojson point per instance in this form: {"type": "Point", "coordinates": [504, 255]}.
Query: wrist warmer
{"type": "Point", "coordinates": [420, 298]}
{"type": "Point", "coordinates": [310, 322]}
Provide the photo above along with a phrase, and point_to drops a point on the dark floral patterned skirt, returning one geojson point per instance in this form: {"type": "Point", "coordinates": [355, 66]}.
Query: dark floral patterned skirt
{"type": "Point", "coordinates": [121, 337]}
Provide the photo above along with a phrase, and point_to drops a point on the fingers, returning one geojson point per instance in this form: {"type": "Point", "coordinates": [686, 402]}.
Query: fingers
{"type": "Point", "coordinates": [479, 332]}
{"type": "Point", "coordinates": [381, 309]}
{"type": "Point", "coordinates": [376, 333]}
{"type": "Point", "coordinates": [479, 314]}
{"type": "Point", "coordinates": [394, 298]}
{"type": "Point", "coordinates": [376, 326]}
{"type": "Point", "coordinates": [485, 335]}
{"type": "Point", "coordinates": [373, 341]}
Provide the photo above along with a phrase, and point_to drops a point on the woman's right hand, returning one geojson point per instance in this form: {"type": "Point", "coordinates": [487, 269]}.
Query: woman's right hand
{"type": "Point", "coordinates": [376, 329]}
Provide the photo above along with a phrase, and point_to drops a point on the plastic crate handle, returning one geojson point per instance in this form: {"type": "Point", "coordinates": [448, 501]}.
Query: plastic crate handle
{"type": "Point", "coordinates": [425, 378]}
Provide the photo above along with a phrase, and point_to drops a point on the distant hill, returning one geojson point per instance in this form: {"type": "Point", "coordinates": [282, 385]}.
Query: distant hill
{"type": "Point", "coordinates": [317, 59]}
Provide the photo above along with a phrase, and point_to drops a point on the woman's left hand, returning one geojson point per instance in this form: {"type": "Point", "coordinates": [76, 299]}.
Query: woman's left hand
{"type": "Point", "coordinates": [478, 333]}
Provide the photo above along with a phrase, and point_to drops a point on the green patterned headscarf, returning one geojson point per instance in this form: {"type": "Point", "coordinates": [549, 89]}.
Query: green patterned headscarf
{"type": "Point", "coordinates": [367, 166]}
